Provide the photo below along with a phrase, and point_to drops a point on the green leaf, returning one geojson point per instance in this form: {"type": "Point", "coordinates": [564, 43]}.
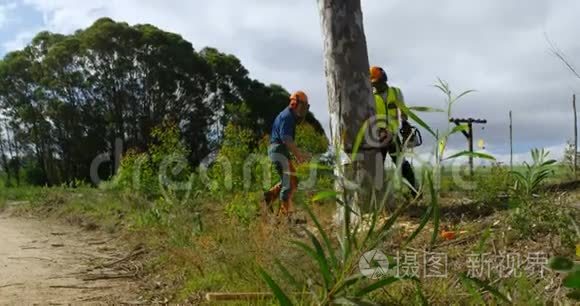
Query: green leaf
{"type": "Point", "coordinates": [426, 109]}
{"type": "Point", "coordinates": [414, 117]}
{"type": "Point", "coordinates": [485, 286]}
{"type": "Point", "coordinates": [435, 209]}
{"type": "Point", "coordinates": [574, 295]}
{"type": "Point", "coordinates": [572, 280]}
{"type": "Point", "coordinates": [376, 285]}
{"type": "Point", "coordinates": [289, 277]}
{"type": "Point", "coordinates": [282, 298]}
{"type": "Point", "coordinates": [420, 294]}
{"type": "Point", "coordinates": [424, 220]}
{"type": "Point", "coordinates": [323, 195]}
{"type": "Point", "coordinates": [347, 207]}
{"type": "Point", "coordinates": [392, 219]}
{"type": "Point", "coordinates": [463, 94]}
{"type": "Point", "coordinates": [443, 89]}
{"type": "Point", "coordinates": [458, 129]}
{"type": "Point", "coordinates": [473, 291]}
{"type": "Point", "coordinates": [318, 256]}
{"type": "Point", "coordinates": [359, 139]}
{"type": "Point", "coordinates": [352, 302]}
{"type": "Point", "coordinates": [325, 238]}
{"type": "Point", "coordinates": [345, 284]}
{"type": "Point", "coordinates": [559, 263]}
{"type": "Point", "coordinates": [472, 154]}
{"type": "Point", "coordinates": [371, 229]}
{"type": "Point", "coordinates": [481, 245]}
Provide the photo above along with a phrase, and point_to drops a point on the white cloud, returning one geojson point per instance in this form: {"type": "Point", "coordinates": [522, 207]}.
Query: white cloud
{"type": "Point", "coordinates": [5, 9]}
{"type": "Point", "coordinates": [20, 41]}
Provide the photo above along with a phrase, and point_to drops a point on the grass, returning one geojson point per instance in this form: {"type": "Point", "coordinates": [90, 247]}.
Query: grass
{"type": "Point", "coordinates": [449, 175]}
{"type": "Point", "coordinates": [225, 255]}
{"type": "Point", "coordinates": [224, 252]}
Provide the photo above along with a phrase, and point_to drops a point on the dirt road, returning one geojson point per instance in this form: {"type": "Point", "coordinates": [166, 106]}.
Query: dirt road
{"type": "Point", "coordinates": [47, 263]}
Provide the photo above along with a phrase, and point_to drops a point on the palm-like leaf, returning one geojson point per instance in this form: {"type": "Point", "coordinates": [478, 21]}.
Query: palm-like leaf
{"type": "Point", "coordinates": [534, 174]}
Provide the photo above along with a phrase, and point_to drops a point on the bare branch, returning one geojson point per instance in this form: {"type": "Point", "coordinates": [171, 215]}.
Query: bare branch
{"type": "Point", "coordinates": [561, 56]}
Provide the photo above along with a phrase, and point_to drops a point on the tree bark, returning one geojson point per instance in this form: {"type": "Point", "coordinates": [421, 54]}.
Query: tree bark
{"type": "Point", "coordinates": [350, 99]}
{"type": "Point", "coordinates": [575, 137]}
{"type": "Point", "coordinates": [511, 143]}
{"type": "Point", "coordinates": [4, 158]}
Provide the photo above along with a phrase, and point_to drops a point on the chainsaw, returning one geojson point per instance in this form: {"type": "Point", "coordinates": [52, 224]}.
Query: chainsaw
{"type": "Point", "coordinates": [410, 136]}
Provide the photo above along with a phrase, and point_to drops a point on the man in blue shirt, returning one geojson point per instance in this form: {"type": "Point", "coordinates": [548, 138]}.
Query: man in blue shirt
{"type": "Point", "coordinates": [281, 145]}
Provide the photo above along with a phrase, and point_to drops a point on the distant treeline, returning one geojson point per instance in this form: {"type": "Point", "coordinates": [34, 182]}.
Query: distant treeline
{"type": "Point", "coordinates": [65, 99]}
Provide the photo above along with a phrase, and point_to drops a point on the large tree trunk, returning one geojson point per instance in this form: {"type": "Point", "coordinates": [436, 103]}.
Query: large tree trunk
{"type": "Point", "coordinates": [350, 99]}
{"type": "Point", "coordinates": [4, 159]}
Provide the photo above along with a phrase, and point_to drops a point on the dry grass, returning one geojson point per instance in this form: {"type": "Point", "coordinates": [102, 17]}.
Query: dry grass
{"type": "Point", "coordinates": [224, 256]}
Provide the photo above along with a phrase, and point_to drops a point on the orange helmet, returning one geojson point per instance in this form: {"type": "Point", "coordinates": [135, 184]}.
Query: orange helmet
{"type": "Point", "coordinates": [378, 75]}
{"type": "Point", "coordinates": [298, 97]}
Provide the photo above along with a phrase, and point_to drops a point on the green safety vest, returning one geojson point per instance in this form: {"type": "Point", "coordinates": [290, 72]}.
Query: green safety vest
{"type": "Point", "coordinates": [387, 113]}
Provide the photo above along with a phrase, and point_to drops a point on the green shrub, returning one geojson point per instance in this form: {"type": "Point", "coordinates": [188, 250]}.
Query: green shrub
{"type": "Point", "coordinates": [492, 186]}
{"type": "Point", "coordinates": [544, 216]}
{"type": "Point", "coordinates": [136, 174]}
{"type": "Point", "coordinates": [164, 162]}
{"type": "Point", "coordinates": [239, 153]}
{"type": "Point", "coordinates": [244, 207]}
{"type": "Point", "coordinates": [226, 173]}
{"type": "Point", "coordinates": [309, 140]}
{"type": "Point", "coordinates": [533, 175]}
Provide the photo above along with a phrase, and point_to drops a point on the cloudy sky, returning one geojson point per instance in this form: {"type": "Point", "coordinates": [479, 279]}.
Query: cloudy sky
{"type": "Point", "coordinates": [497, 47]}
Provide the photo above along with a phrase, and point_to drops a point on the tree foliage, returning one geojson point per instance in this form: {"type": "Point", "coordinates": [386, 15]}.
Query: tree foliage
{"type": "Point", "coordinates": [66, 99]}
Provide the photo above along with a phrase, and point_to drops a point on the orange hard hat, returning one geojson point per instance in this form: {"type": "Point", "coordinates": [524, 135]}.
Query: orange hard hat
{"type": "Point", "coordinates": [378, 75]}
{"type": "Point", "coordinates": [298, 97]}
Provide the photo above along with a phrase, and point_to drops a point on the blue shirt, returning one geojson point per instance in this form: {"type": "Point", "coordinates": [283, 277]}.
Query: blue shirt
{"type": "Point", "coordinates": [284, 127]}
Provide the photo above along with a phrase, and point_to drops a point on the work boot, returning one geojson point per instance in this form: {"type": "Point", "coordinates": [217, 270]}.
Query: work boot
{"type": "Point", "coordinates": [268, 201]}
{"type": "Point", "coordinates": [270, 196]}
{"type": "Point", "coordinates": [285, 209]}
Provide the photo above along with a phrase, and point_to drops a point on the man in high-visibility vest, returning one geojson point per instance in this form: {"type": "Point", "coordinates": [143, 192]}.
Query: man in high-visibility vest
{"type": "Point", "coordinates": [385, 107]}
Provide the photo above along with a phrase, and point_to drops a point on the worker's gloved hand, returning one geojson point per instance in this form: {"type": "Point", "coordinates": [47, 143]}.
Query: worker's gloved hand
{"type": "Point", "coordinates": [385, 136]}
{"type": "Point", "coordinates": [300, 158]}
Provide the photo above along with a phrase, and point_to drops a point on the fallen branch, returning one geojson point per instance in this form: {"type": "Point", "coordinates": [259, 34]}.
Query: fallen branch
{"type": "Point", "coordinates": [38, 258]}
{"type": "Point", "coordinates": [132, 255]}
{"type": "Point", "coordinates": [234, 296]}
{"type": "Point", "coordinates": [97, 243]}
{"type": "Point", "coordinates": [81, 287]}
{"type": "Point", "coordinates": [10, 285]}
{"type": "Point", "coordinates": [57, 245]}
{"type": "Point", "coordinates": [220, 296]}
{"type": "Point", "coordinates": [108, 276]}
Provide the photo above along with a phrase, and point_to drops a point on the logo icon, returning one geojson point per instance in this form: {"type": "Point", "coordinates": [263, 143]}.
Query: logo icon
{"type": "Point", "coordinates": [374, 264]}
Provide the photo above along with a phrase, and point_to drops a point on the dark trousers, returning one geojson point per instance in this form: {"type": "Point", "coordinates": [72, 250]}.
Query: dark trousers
{"type": "Point", "coordinates": [407, 170]}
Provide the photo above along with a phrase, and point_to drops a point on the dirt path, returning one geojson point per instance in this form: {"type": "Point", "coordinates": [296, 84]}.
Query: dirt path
{"type": "Point", "coordinates": [47, 263]}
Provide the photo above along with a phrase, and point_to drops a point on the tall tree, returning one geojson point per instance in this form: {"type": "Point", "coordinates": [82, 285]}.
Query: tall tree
{"type": "Point", "coordinates": [3, 157]}
{"type": "Point", "coordinates": [349, 91]}
{"type": "Point", "coordinates": [70, 98]}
